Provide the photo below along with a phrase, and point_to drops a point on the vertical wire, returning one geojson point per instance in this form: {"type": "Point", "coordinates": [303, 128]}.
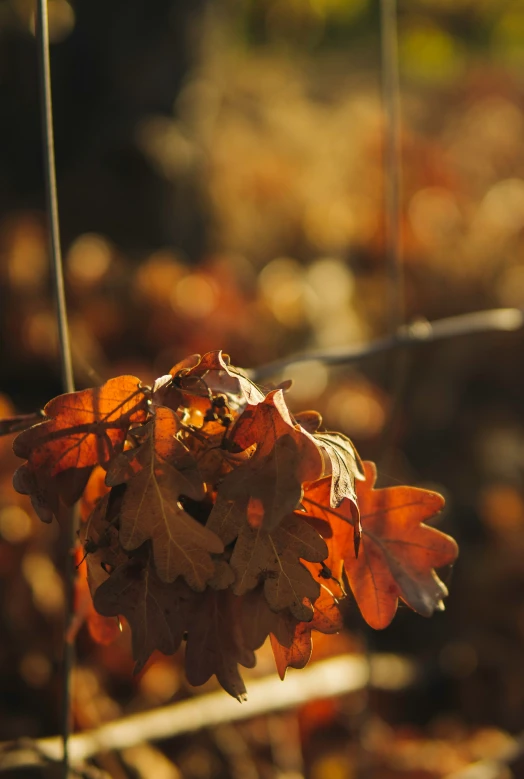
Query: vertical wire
{"type": "Point", "coordinates": [51, 195]}
{"type": "Point", "coordinates": [391, 165]}
{"type": "Point", "coordinates": [399, 364]}
{"type": "Point", "coordinates": [392, 160]}
{"type": "Point", "coordinates": [42, 37]}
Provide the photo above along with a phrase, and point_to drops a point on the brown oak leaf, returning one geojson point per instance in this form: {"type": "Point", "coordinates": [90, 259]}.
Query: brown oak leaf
{"type": "Point", "coordinates": [291, 639]}
{"type": "Point", "coordinates": [275, 559]}
{"type": "Point", "coordinates": [216, 644]}
{"type": "Point", "coordinates": [158, 472]}
{"type": "Point", "coordinates": [80, 430]}
{"type": "Point", "coordinates": [214, 460]}
{"type": "Point", "coordinates": [285, 457]}
{"type": "Point", "coordinates": [157, 613]}
{"type": "Point", "coordinates": [261, 491]}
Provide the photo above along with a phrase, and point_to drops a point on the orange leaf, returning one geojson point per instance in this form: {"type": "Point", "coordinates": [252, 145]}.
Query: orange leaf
{"type": "Point", "coordinates": [326, 619]}
{"type": "Point", "coordinates": [397, 553]}
{"type": "Point", "coordinates": [316, 501]}
{"type": "Point", "coordinates": [297, 654]}
{"type": "Point", "coordinates": [266, 422]}
{"type": "Point", "coordinates": [81, 429]}
{"type": "Point", "coordinates": [291, 639]}
{"type": "Point", "coordinates": [95, 489]}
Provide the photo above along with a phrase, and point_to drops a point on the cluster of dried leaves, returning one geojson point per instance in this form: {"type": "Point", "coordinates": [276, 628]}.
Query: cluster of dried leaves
{"type": "Point", "coordinates": [214, 516]}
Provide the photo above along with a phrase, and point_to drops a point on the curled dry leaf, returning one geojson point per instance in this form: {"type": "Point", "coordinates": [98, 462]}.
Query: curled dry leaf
{"type": "Point", "coordinates": [222, 521]}
{"type": "Point", "coordinates": [346, 467]}
{"type": "Point", "coordinates": [213, 372]}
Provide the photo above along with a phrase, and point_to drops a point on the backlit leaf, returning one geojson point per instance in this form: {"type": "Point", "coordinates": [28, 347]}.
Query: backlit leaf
{"type": "Point", "coordinates": [80, 430]}
{"type": "Point", "coordinates": [398, 553]}
{"type": "Point", "coordinates": [346, 467]}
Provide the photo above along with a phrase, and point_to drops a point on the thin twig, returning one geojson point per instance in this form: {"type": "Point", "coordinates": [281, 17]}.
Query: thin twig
{"type": "Point", "coordinates": [496, 319]}
{"type": "Point", "coordinates": [324, 679]}
{"type": "Point", "coordinates": [42, 35]}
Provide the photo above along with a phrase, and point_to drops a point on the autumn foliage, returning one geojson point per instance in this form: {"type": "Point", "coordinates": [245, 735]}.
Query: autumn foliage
{"type": "Point", "coordinates": [213, 516]}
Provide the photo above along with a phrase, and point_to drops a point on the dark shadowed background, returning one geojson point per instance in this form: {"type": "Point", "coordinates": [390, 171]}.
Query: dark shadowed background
{"type": "Point", "coordinates": [221, 185]}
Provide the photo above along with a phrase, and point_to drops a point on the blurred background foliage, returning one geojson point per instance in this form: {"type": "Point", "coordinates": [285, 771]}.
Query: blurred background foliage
{"type": "Point", "coordinates": [221, 185]}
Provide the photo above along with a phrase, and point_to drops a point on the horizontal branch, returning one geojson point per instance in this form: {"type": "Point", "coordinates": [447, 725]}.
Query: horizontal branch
{"type": "Point", "coordinates": [505, 319]}
{"type": "Point", "coordinates": [323, 679]}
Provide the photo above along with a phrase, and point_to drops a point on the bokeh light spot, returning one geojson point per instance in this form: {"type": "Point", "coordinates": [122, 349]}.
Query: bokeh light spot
{"type": "Point", "coordinates": [195, 296]}
{"type": "Point", "coordinates": [35, 669]}
{"type": "Point", "coordinates": [310, 379]}
{"type": "Point", "coordinates": [46, 585]}
{"type": "Point", "coordinates": [15, 524]}
{"type": "Point", "coordinates": [89, 258]}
